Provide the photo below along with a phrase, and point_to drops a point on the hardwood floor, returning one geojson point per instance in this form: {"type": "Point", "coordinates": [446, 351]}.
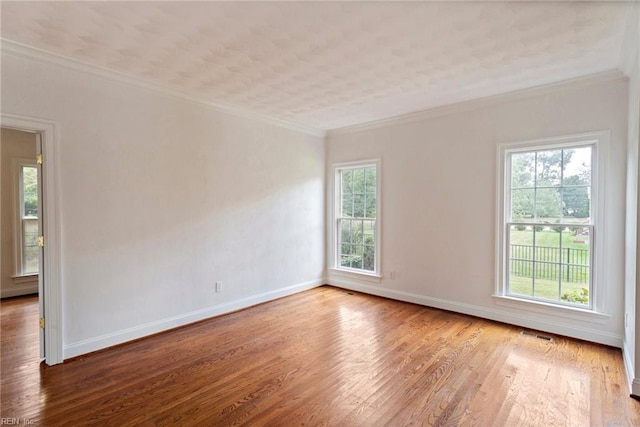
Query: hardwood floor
{"type": "Point", "coordinates": [321, 357]}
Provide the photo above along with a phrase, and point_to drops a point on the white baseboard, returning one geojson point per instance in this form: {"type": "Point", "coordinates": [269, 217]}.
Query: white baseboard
{"type": "Point", "coordinates": [522, 319]}
{"type": "Point", "coordinates": [140, 331]}
{"type": "Point", "coordinates": [16, 292]}
{"type": "Point", "coordinates": [634, 384]}
{"type": "Point", "coordinates": [635, 387]}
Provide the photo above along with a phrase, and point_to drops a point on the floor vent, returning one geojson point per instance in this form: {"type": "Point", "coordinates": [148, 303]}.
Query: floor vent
{"type": "Point", "coordinates": [534, 335]}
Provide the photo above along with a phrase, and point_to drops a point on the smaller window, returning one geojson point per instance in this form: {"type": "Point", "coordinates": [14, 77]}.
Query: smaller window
{"type": "Point", "coordinates": [356, 217]}
{"type": "Point", "coordinates": [28, 214]}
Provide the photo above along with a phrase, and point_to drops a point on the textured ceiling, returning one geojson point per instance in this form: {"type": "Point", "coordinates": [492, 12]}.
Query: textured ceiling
{"type": "Point", "coordinates": [327, 65]}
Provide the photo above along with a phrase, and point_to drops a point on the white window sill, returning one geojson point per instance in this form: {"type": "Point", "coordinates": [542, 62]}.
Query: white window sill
{"type": "Point", "coordinates": [574, 313]}
{"type": "Point", "coordinates": [370, 277]}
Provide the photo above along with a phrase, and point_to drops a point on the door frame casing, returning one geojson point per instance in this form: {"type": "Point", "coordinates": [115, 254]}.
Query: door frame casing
{"type": "Point", "coordinates": [51, 269]}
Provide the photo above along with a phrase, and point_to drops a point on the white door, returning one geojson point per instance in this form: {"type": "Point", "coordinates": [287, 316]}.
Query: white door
{"type": "Point", "coordinates": [41, 251]}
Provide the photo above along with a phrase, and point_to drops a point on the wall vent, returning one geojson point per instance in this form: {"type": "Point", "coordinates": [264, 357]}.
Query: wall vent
{"type": "Point", "coordinates": [535, 335]}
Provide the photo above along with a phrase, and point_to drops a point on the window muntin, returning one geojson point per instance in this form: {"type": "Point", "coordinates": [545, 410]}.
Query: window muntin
{"type": "Point", "coordinates": [549, 226]}
{"type": "Point", "coordinates": [356, 218]}
{"type": "Point", "coordinates": [28, 214]}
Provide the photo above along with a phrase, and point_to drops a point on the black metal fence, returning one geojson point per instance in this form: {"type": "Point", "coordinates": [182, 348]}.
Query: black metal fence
{"type": "Point", "coordinates": [550, 263]}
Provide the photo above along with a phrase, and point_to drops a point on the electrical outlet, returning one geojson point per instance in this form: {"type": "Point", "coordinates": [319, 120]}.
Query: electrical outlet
{"type": "Point", "coordinates": [218, 286]}
{"type": "Point", "coordinates": [392, 275]}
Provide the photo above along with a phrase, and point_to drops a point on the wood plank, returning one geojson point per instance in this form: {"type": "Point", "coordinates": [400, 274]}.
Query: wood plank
{"type": "Point", "coordinates": [320, 357]}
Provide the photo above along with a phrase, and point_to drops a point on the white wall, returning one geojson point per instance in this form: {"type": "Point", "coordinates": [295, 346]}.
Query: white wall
{"type": "Point", "coordinates": [632, 329]}
{"type": "Point", "coordinates": [439, 200]}
{"type": "Point", "coordinates": [161, 197]}
{"type": "Point", "coordinates": [631, 66]}
{"type": "Point", "coordinates": [16, 146]}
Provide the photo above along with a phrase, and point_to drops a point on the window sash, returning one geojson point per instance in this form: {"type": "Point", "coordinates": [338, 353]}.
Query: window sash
{"type": "Point", "coordinates": [539, 265]}
{"type": "Point", "coordinates": [537, 188]}
{"type": "Point", "coordinates": [360, 254]}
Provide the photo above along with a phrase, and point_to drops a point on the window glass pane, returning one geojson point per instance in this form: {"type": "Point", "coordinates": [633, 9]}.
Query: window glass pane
{"type": "Point", "coordinates": [358, 180]}
{"type": "Point", "coordinates": [345, 260]}
{"type": "Point", "coordinates": [370, 176]}
{"type": "Point", "coordinates": [370, 211]}
{"type": "Point", "coordinates": [523, 167]}
{"type": "Point", "coordinates": [357, 229]}
{"type": "Point", "coordinates": [30, 191]}
{"type": "Point", "coordinates": [576, 202]}
{"type": "Point", "coordinates": [369, 258]}
{"type": "Point", "coordinates": [521, 260]}
{"type": "Point", "coordinates": [356, 262]}
{"type": "Point", "coordinates": [577, 166]}
{"type": "Point", "coordinates": [546, 263]}
{"type": "Point", "coordinates": [522, 205]}
{"type": "Point", "coordinates": [576, 197]}
{"type": "Point", "coordinates": [347, 205]}
{"type": "Point", "coordinates": [347, 181]}
{"type": "Point", "coordinates": [346, 249]}
{"type": "Point", "coordinates": [30, 247]}
{"type": "Point", "coordinates": [548, 168]}
{"type": "Point", "coordinates": [575, 259]}
{"type": "Point", "coordinates": [358, 205]}
{"type": "Point", "coordinates": [548, 205]}
{"type": "Point", "coordinates": [369, 232]}
{"type": "Point", "coordinates": [345, 231]}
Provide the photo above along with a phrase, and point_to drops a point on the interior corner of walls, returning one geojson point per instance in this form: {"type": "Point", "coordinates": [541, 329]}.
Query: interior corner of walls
{"type": "Point", "coordinates": [89, 345]}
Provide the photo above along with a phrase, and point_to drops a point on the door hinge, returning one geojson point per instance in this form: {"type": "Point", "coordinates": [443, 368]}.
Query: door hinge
{"type": "Point", "coordinates": [39, 158]}
{"type": "Point", "coordinates": [41, 241]}
{"type": "Point", "coordinates": [42, 323]}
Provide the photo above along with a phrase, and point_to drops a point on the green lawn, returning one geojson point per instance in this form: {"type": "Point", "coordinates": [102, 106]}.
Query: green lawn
{"type": "Point", "coordinates": [547, 289]}
{"type": "Point", "coordinates": [547, 238]}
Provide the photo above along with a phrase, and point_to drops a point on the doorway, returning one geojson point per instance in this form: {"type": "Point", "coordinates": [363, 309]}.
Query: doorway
{"type": "Point", "coordinates": [20, 228]}
{"type": "Point", "coordinates": [47, 240]}
{"type": "Point", "coordinates": [19, 204]}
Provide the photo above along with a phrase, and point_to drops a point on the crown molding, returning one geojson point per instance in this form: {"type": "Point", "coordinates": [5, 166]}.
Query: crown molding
{"type": "Point", "coordinates": [19, 50]}
{"type": "Point", "coordinates": [475, 104]}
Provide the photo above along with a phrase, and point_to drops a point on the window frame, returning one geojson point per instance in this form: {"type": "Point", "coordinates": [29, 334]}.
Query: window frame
{"type": "Point", "coordinates": [335, 214]}
{"type": "Point", "coordinates": [599, 141]}
{"type": "Point", "coordinates": [19, 241]}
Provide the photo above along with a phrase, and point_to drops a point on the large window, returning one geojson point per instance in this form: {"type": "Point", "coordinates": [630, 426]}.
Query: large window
{"type": "Point", "coordinates": [28, 218]}
{"type": "Point", "coordinates": [356, 216]}
{"type": "Point", "coordinates": [548, 226]}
